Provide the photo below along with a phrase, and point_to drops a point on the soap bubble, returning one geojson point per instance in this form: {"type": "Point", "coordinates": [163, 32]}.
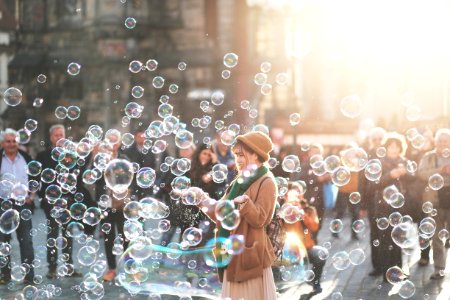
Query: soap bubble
{"type": "Point", "coordinates": [118, 175]}
{"type": "Point", "coordinates": [382, 223]}
{"type": "Point", "coordinates": [266, 89]}
{"type": "Point", "coordinates": [158, 82]}
{"type": "Point", "coordinates": [413, 113]}
{"type": "Point", "coordinates": [290, 213]}
{"type": "Point", "coordinates": [281, 78]}
{"type": "Point", "coordinates": [73, 112]}
{"type": "Point", "coordinates": [291, 164]}
{"type": "Point", "coordinates": [228, 137]}
{"type": "Point", "coordinates": [135, 66]}
{"type": "Point", "coordinates": [351, 106]}
{"type": "Point", "coordinates": [341, 176]}
{"type": "Point", "coordinates": [336, 226]}
{"type": "Point", "coordinates": [38, 102]}
{"type": "Point", "coordinates": [357, 256]}
{"type": "Point", "coordinates": [130, 23]}
{"type": "Point", "coordinates": [226, 74]}
{"type": "Point", "coordinates": [373, 170]}
{"type": "Point", "coordinates": [340, 260]}
{"type": "Point", "coordinates": [294, 119]}
{"type": "Point", "coordinates": [395, 275]}
{"type": "Point", "coordinates": [9, 221]}
{"type": "Point", "coordinates": [260, 78]}
{"type": "Point", "coordinates": [73, 69]}
{"type": "Point", "coordinates": [12, 96]}
{"type": "Point", "coordinates": [184, 139]}
{"type": "Point", "coordinates": [34, 168]}
{"type": "Point", "coordinates": [436, 181]}
{"type": "Point", "coordinates": [30, 125]}
{"type": "Point", "coordinates": [358, 226]}
{"type": "Point", "coordinates": [404, 235]}
{"type": "Point", "coordinates": [266, 67]}
{"type": "Point", "coordinates": [145, 177]}
{"type": "Point", "coordinates": [182, 66]}
{"type": "Point", "coordinates": [355, 159]}
{"type": "Point", "coordinates": [137, 91]}
{"type": "Point", "coordinates": [407, 289]}
{"type": "Point", "coordinates": [61, 112]}
{"type": "Point", "coordinates": [217, 98]}
{"type": "Point", "coordinates": [41, 78]}
{"type": "Point", "coordinates": [230, 60]}
{"type": "Point", "coordinates": [151, 65]}
{"type": "Point", "coordinates": [192, 236]}
{"type": "Point", "coordinates": [354, 198]}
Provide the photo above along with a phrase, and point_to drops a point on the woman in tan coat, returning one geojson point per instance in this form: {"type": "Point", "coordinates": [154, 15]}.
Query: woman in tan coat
{"type": "Point", "coordinates": [248, 275]}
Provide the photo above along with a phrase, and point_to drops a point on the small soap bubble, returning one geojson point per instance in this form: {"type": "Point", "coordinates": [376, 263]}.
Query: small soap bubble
{"type": "Point", "coordinates": [351, 106]}
{"type": "Point", "coordinates": [158, 82]}
{"type": "Point", "coordinates": [73, 69]}
{"type": "Point", "coordinates": [226, 74]}
{"type": "Point", "coordinates": [182, 66]}
{"type": "Point", "coordinates": [38, 102]}
{"type": "Point", "coordinates": [230, 60]}
{"type": "Point", "coordinates": [130, 23]}
{"type": "Point", "coordinates": [12, 96]}
{"type": "Point", "coordinates": [135, 66]}
{"type": "Point", "coordinates": [41, 78]}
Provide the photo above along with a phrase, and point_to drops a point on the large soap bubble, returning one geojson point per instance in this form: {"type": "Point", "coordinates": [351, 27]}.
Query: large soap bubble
{"type": "Point", "coordinates": [119, 175]}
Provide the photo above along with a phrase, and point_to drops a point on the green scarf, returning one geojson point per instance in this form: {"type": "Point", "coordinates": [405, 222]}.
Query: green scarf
{"type": "Point", "coordinates": [238, 188]}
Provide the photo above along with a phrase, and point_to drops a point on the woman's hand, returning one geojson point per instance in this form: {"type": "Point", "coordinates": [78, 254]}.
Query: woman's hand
{"type": "Point", "coordinates": [207, 178]}
{"type": "Point", "coordinates": [241, 199]}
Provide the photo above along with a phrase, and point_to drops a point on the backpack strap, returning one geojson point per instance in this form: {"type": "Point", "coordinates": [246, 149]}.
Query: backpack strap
{"type": "Point", "coordinates": [260, 184]}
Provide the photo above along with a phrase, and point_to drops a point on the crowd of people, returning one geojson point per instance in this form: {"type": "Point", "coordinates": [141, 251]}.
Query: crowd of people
{"type": "Point", "coordinates": [410, 178]}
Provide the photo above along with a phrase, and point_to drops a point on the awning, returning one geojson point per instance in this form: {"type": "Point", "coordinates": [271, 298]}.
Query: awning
{"type": "Point", "coordinates": [26, 59]}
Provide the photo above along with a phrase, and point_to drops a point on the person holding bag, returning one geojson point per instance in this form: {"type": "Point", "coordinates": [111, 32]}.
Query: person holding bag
{"type": "Point", "coordinates": [248, 275]}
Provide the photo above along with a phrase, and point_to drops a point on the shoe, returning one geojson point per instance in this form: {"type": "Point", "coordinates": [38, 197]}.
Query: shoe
{"type": "Point", "coordinates": [375, 273]}
{"type": "Point", "coordinates": [76, 274]}
{"type": "Point", "coordinates": [52, 274]}
{"type": "Point", "coordinates": [4, 281]}
{"type": "Point", "coordinates": [355, 237]}
{"type": "Point", "coordinates": [424, 261]}
{"type": "Point", "coordinates": [335, 234]}
{"type": "Point", "coordinates": [436, 276]}
{"type": "Point", "coordinates": [110, 275]}
{"type": "Point", "coordinates": [317, 288]}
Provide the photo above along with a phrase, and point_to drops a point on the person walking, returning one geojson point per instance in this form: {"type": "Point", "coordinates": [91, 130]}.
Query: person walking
{"type": "Point", "coordinates": [248, 275]}
{"type": "Point", "coordinates": [436, 164]}
{"type": "Point", "coordinates": [13, 168]}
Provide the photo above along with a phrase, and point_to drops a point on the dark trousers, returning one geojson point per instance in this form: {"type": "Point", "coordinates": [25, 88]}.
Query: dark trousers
{"type": "Point", "coordinates": [342, 204]}
{"type": "Point", "coordinates": [374, 249]}
{"type": "Point", "coordinates": [53, 232]}
{"type": "Point", "coordinates": [316, 262]}
{"type": "Point", "coordinates": [116, 219]}
{"type": "Point", "coordinates": [25, 244]}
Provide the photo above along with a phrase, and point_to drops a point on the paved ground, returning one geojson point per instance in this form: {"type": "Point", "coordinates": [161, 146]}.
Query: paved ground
{"type": "Point", "coordinates": [352, 283]}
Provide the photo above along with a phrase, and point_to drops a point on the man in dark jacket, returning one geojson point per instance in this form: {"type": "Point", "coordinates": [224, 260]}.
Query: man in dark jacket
{"type": "Point", "coordinates": [57, 132]}
{"type": "Point", "coordinates": [13, 168]}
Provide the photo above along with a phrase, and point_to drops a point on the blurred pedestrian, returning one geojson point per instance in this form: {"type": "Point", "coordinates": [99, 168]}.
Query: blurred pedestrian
{"type": "Point", "coordinates": [46, 158]}
{"type": "Point", "coordinates": [367, 190]}
{"type": "Point", "coordinates": [13, 168]}
{"type": "Point", "coordinates": [112, 207]}
{"type": "Point", "coordinates": [436, 164]}
{"type": "Point", "coordinates": [304, 231]}
{"type": "Point", "coordinates": [225, 156]}
{"type": "Point", "coordinates": [396, 178]}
